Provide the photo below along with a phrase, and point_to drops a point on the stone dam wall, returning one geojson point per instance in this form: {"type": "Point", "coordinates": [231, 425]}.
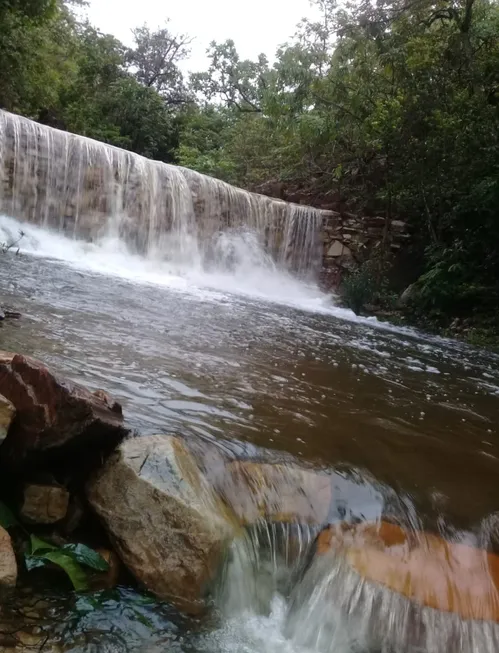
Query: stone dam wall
{"type": "Point", "coordinates": [87, 189]}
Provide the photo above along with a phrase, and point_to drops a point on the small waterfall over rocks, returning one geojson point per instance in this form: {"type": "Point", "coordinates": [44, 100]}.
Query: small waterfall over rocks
{"type": "Point", "coordinates": [87, 189]}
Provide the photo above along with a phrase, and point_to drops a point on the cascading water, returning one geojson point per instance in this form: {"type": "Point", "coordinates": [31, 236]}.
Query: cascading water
{"type": "Point", "coordinates": [90, 190]}
{"type": "Point", "coordinates": [278, 596]}
{"type": "Point", "coordinates": [261, 570]}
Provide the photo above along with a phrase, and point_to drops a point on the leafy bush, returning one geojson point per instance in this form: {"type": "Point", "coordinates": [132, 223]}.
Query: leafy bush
{"type": "Point", "coordinates": [368, 285]}
{"type": "Point", "coordinates": [450, 288]}
{"type": "Point", "coordinates": [359, 288]}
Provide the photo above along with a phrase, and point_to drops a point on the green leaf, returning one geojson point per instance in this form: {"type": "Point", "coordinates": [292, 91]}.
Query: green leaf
{"type": "Point", "coordinates": [34, 562]}
{"type": "Point", "coordinates": [7, 517]}
{"type": "Point", "coordinates": [86, 556]}
{"type": "Point", "coordinates": [73, 569]}
{"type": "Point", "coordinates": [38, 546]}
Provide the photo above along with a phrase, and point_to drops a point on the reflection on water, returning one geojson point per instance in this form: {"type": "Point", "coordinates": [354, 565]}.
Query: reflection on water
{"type": "Point", "coordinates": [405, 424]}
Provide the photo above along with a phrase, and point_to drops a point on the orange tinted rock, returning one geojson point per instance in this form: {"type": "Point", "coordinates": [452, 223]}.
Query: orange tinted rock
{"type": "Point", "coordinates": [425, 568]}
{"type": "Point", "coordinates": [282, 493]}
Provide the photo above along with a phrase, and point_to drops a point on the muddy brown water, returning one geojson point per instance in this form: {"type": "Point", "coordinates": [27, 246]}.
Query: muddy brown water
{"type": "Point", "coordinates": [406, 423]}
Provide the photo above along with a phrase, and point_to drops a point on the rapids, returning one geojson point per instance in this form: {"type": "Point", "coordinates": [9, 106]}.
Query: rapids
{"type": "Point", "coordinates": [242, 354]}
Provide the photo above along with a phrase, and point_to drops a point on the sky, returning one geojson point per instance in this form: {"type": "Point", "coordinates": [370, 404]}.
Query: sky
{"type": "Point", "coordinates": [255, 25]}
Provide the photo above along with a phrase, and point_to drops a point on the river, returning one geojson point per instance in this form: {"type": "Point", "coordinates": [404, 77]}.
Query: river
{"type": "Point", "coordinates": [259, 363]}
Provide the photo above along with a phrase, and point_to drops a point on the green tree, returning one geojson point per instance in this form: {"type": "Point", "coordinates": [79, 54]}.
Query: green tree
{"type": "Point", "coordinates": [239, 84]}
{"type": "Point", "coordinates": [155, 62]}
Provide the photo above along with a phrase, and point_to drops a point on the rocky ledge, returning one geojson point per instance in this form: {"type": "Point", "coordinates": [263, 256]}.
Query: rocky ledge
{"type": "Point", "coordinates": [71, 470]}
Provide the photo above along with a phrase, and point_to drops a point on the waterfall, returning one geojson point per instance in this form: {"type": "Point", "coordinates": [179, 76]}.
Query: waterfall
{"type": "Point", "coordinates": [87, 189]}
{"type": "Point", "coordinates": [277, 596]}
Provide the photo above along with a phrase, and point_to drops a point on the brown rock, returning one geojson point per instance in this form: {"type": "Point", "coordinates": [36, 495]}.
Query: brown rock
{"type": "Point", "coordinates": [107, 579]}
{"type": "Point", "coordinates": [276, 493]}
{"type": "Point", "coordinates": [8, 564]}
{"type": "Point", "coordinates": [7, 414]}
{"type": "Point", "coordinates": [109, 401]}
{"type": "Point", "coordinates": [163, 518]}
{"type": "Point", "coordinates": [53, 412]}
{"type": "Point", "coordinates": [426, 569]}
{"type": "Point", "coordinates": [44, 504]}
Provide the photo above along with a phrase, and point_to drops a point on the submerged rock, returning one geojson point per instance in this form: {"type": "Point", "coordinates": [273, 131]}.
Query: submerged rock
{"type": "Point", "coordinates": [425, 568]}
{"type": "Point", "coordinates": [278, 493]}
{"type": "Point", "coordinates": [44, 504]}
{"type": "Point", "coordinates": [400, 590]}
{"type": "Point", "coordinates": [8, 564]}
{"type": "Point", "coordinates": [12, 315]}
{"type": "Point", "coordinates": [53, 413]}
{"type": "Point", "coordinates": [163, 518]}
{"type": "Point", "coordinates": [7, 414]}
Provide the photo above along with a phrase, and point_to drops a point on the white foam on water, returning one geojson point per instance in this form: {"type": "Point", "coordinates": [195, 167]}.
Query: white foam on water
{"type": "Point", "coordinates": [237, 267]}
{"type": "Point", "coordinates": [240, 267]}
{"type": "Point", "coordinates": [249, 632]}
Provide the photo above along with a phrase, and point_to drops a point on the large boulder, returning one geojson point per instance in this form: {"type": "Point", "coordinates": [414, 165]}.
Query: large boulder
{"type": "Point", "coordinates": [275, 492]}
{"type": "Point", "coordinates": [164, 520]}
{"type": "Point", "coordinates": [8, 565]}
{"type": "Point", "coordinates": [53, 413]}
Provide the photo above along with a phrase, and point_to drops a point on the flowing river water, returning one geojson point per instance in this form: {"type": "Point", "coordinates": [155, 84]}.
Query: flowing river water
{"type": "Point", "coordinates": [247, 357]}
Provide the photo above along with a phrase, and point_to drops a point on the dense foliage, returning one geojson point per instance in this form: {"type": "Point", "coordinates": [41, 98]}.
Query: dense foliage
{"type": "Point", "coordinates": [58, 69]}
{"type": "Point", "coordinates": [388, 107]}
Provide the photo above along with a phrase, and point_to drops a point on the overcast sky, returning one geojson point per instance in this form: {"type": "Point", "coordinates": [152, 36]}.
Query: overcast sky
{"type": "Point", "coordinates": [255, 25]}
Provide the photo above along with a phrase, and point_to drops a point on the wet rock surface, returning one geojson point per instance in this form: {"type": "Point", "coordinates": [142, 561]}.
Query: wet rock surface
{"type": "Point", "coordinates": [53, 413]}
{"type": "Point", "coordinates": [8, 564]}
{"type": "Point", "coordinates": [446, 576]}
{"type": "Point", "coordinates": [44, 504]}
{"type": "Point", "coordinates": [7, 414]}
{"type": "Point", "coordinates": [281, 493]}
{"type": "Point", "coordinates": [163, 518]}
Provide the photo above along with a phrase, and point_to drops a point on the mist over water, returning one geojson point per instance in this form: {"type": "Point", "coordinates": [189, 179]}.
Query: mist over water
{"type": "Point", "coordinates": [236, 264]}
